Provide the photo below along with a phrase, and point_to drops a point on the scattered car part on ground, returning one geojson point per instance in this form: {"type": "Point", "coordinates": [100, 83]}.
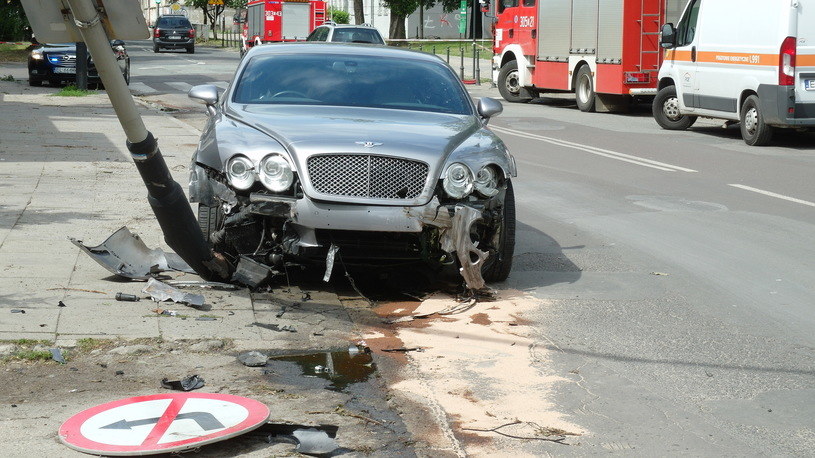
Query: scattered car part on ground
{"type": "Point", "coordinates": [125, 254]}
{"type": "Point", "coordinates": [253, 359]}
{"type": "Point", "coordinates": [127, 297]}
{"type": "Point", "coordinates": [202, 284]}
{"type": "Point", "coordinates": [193, 382]}
{"type": "Point", "coordinates": [310, 440]}
{"type": "Point", "coordinates": [251, 273]}
{"type": "Point", "coordinates": [161, 292]}
{"type": "Point", "coordinates": [56, 355]}
{"type": "Point", "coordinates": [326, 153]}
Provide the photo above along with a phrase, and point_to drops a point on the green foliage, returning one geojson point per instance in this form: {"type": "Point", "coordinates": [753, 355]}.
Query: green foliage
{"type": "Point", "coordinates": [339, 16]}
{"type": "Point", "coordinates": [33, 355]}
{"type": "Point", "coordinates": [7, 78]}
{"type": "Point", "coordinates": [13, 23]}
{"type": "Point", "coordinates": [72, 91]}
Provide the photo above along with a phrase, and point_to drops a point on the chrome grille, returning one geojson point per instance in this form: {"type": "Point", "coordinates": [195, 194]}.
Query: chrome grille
{"type": "Point", "coordinates": [362, 175]}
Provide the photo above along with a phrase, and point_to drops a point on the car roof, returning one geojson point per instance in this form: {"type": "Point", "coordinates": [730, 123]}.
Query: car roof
{"type": "Point", "coordinates": [360, 49]}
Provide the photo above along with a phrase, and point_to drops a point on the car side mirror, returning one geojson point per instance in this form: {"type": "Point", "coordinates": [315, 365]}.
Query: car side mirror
{"type": "Point", "coordinates": [206, 93]}
{"type": "Point", "coordinates": [668, 36]}
{"type": "Point", "coordinates": [489, 107]}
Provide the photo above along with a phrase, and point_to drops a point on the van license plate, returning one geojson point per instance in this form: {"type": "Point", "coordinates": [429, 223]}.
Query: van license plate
{"type": "Point", "coordinates": [809, 85]}
{"type": "Point", "coordinates": [64, 70]}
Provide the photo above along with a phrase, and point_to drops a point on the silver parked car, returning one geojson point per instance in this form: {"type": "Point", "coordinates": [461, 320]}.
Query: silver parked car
{"type": "Point", "coordinates": [366, 155]}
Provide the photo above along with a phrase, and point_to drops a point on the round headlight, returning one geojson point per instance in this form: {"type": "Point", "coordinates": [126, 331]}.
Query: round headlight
{"type": "Point", "coordinates": [240, 172]}
{"type": "Point", "coordinates": [486, 181]}
{"type": "Point", "coordinates": [276, 173]}
{"type": "Point", "coordinates": [458, 182]}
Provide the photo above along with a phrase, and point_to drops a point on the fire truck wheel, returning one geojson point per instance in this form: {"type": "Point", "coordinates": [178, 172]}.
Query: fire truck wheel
{"type": "Point", "coordinates": [584, 89]}
{"type": "Point", "coordinates": [753, 129]}
{"type": "Point", "coordinates": [665, 109]}
{"type": "Point", "coordinates": [509, 85]}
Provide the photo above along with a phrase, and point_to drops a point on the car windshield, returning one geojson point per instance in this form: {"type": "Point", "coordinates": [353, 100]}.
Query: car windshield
{"type": "Point", "coordinates": [353, 81]}
{"type": "Point", "coordinates": [173, 22]}
{"type": "Point", "coordinates": [356, 36]}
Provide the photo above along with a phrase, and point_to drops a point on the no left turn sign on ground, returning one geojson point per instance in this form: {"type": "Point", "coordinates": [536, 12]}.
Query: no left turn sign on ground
{"type": "Point", "coordinates": [161, 423]}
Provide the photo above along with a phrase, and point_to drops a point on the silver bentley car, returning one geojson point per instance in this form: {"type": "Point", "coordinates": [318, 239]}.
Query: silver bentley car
{"type": "Point", "coordinates": [364, 154]}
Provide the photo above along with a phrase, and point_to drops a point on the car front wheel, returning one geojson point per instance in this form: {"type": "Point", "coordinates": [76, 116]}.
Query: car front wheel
{"type": "Point", "coordinates": [210, 220]}
{"type": "Point", "coordinates": [191, 50]}
{"type": "Point", "coordinates": [499, 263]}
{"type": "Point", "coordinates": [34, 81]}
{"type": "Point", "coordinates": [666, 110]}
{"type": "Point", "coordinates": [155, 48]}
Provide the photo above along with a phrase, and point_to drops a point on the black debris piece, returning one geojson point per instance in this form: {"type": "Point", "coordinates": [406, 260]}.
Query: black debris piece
{"type": "Point", "coordinates": [127, 297]}
{"type": "Point", "coordinates": [230, 312]}
{"type": "Point", "coordinates": [402, 349]}
{"type": "Point", "coordinates": [56, 355]}
{"type": "Point", "coordinates": [275, 327]}
{"type": "Point", "coordinates": [306, 297]}
{"type": "Point", "coordinates": [103, 365]}
{"type": "Point", "coordinates": [206, 318]}
{"type": "Point", "coordinates": [14, 405]}
{"type": "Point", "coordinates": [193, 382]}
{"type": "Point", "coordinates": [253, 359]}
{"type": "Point", "coordinates": [251, 273]}
{"type": "Point", "coordinates": [310, 440]}
{"type": "Point", "coordinates": [61, 304]}
{"type": "Point", "coordinates": [17, 311]}
{"type": "Point", "coordinates": [119, 373]}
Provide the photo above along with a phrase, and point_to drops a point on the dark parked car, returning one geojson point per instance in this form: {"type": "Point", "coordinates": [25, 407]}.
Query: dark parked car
{"type": "Point", "coordinates": [365, 154]}
{"type": "Point", "coordinates": [56, 63]}
{"type": "Point", "coordinates": [173, 32]}
{"type": "Point", "coordinates": [344, 33]}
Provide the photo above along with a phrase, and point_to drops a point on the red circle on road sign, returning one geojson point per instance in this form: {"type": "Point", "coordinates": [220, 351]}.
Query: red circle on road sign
{"type": "Point", "coordinates": [161, 423]}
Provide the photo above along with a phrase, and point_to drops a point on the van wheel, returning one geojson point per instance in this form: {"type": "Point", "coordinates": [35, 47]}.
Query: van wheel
{"type": "Point", "coordinates": [666, 110]}
{"type": "Point", "coordinates": [584, 89]}
{"type": "Point", "coordinates": [753, 129]}
{"type": "Point", "coordinates": [509, 84]}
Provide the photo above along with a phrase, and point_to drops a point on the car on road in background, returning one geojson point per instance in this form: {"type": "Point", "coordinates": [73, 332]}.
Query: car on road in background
{"type": "Point", "coordinates": [367, 155]}
{"type": "Point", "coordinates": [344, 33]}
{"type": "Point", "coordinates": [56, 63]}
{"type": "Point", "coordinates": [173, 32]}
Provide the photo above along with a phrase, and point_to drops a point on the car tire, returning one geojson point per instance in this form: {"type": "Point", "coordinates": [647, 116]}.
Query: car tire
{"type": "Point", "coordinates": [127, 74]}
{"type": "Point", "coordinates": [155, 48]}
{"type": "Point", "coordinates": [499, 264]}
{"type": "Point", "coordinates": [191, 50]}
{"type": "Point", "coordinates": [36, 82]}
{"type": "Point", "coordinates": [754, 130]}
{"type": "Point", "coordinates": [210, 219]}
{"type": "Point", "coordinates": [508, 84]}
{"type": "Point", "coordinates": [665, 109]}
{"type": "Point", "coordinates": [584, 90]}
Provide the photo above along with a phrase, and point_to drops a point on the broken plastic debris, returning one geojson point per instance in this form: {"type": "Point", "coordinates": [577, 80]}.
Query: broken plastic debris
{"type": "Point", "coordinates": [253, 359]}
{"type": "Point", "coordinates": [661, 274]}
{"type": "Point", "coordinates": [193, 382]}
{"type": "Point", "coordinates": [161, 292]}
{"type": "Point", "coordinates": [61, 304]}
{"type": "Point", "coordinates": [206, 318]}
{"type": "Point", "coordinates": [165, 312]}
{"type": "Point", "coordinates": [275, 327]}
{"type": "Point", "coordinates": [310, 440]}
{"type": "Point", "coordinates": [402, 349]}
{"type": "Point", "coordinates": [126, 255]}
{"type": "Point", "coordinates": [127, 297]}
{"type": "Point", "coordinates": [17, 311]}
{"type": "Point", "coordinates": [251, 273]}
{"type": "Point", "coordinates": [56, 355]}
{"type": "Point", "coordinates": [202, 284]}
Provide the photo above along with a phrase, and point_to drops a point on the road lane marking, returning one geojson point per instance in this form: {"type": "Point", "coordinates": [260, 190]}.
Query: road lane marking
{"type": "Point", "coordinates": [141, 88]}
{"type": "Point", "coordinates": [597, 151]}
{"type": "Point", "coordinates": [772, 194]}
{"type": "Point", "coordinates": [181, 86]}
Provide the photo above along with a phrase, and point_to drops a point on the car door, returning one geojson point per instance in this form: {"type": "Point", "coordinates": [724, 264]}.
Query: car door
{"type": "Point", "coordinates": [684, 56]}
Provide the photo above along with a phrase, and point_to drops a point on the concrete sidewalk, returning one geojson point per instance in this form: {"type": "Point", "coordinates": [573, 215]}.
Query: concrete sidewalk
{"type": "Point", "coordinates": [65, 172]}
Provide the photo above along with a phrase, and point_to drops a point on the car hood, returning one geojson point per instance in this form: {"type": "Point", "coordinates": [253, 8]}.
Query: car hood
{"type": "Point", "coordinates": [308, 130]}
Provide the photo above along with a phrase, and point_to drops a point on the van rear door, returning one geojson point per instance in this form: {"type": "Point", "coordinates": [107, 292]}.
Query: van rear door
{"type": "Point", "coordinates": [805, 59]}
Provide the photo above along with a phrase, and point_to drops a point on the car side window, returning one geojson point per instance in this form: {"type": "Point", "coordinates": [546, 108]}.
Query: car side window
{"type": "Point", "coordinates": [687, 26]}
{"type": "Point", "coordinates": [318, 34]}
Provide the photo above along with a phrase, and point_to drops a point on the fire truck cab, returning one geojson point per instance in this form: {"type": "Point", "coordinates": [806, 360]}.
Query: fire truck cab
{"type": "Point", "coordinates": [605, 51]}
{"type": "Point", "coordinates": [280, 20]}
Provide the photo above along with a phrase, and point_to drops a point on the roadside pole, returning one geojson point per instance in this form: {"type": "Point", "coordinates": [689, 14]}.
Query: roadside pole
{"type": "Point", "coordinates": [165, 195]}
{"type": "Point", "coordinates": [81, 65]}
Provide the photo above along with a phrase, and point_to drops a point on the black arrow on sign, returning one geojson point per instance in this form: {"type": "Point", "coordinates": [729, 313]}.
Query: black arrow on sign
{"type": "Point", "coordinates": [205, 420]}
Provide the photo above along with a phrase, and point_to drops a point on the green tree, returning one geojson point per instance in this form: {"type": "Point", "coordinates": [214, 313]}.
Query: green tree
{"type": "Point", "coordinates": [339, 16]}
{"type": "Point", "coordinates": [213, 12]}
{"type": "Point", "coordinates": [400, 10]}
{"type": "Point", "coordinates": [13, 23]}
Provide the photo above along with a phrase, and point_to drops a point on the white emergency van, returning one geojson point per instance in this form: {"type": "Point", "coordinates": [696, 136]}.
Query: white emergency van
{"type": "Point", "coordinates": [751, 61]}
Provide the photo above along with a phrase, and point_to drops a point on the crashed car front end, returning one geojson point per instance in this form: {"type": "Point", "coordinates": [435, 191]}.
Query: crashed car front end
{"type": "Point", "coordinates": [285, 184]}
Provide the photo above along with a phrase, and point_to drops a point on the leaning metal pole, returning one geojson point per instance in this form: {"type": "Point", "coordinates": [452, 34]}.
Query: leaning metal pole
{"type": "Point", "coordinates": [165, 195]}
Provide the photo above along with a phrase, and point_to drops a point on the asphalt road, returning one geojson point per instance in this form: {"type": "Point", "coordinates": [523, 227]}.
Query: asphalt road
{"type": "Point", "coordinates": [677, 269]}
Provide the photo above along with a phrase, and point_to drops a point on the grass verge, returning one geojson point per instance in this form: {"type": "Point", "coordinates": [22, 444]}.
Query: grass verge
{"type": "Point", "coordinates": [13, 53]}
{"type": "Point", "coordinates": [72, 91]}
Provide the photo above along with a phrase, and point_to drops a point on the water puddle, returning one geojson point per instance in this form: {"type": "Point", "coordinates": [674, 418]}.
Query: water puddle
{"type": "Point", "coordinates": [341, 368]}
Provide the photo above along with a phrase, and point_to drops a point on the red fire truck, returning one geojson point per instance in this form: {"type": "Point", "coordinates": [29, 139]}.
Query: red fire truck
{"type": "Point", "coordinates": [605, 51]}
{"type": "Point", "coordinates": [280, 20]}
